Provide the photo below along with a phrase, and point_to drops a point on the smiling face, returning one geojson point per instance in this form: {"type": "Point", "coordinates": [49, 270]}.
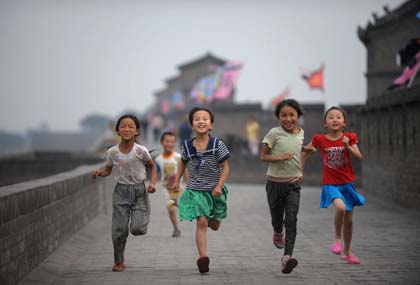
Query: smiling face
{"type": "Point", "coordinates": [201, 122]}
{"type": "Point", "coordinates": [127, 129]}
{"type": "Point", "coordinates": [168, 143]}
{"type": "Point", "coordinates": [288, 118]}
{"type": "Point", "coordinates": [334, 120]}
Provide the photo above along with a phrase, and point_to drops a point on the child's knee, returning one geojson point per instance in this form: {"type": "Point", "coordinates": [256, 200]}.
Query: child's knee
{"type": "Point", "coordinates": [202, 222]}
{"type": "Point", "coordinates": [348, 222]}
{"type": "Point", "coordinates": [138, 231]}
{"type": "Point", "coordinates": [171, 208]}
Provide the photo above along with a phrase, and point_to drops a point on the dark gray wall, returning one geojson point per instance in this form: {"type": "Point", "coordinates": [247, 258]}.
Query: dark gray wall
{"type": "Point", "coordinates": [37, 216]}
{"type": "Point", "coordinates": [390, 121]}
{"type": "Point", "coordinates": [391, 133]}
{"type": "Point", "coordinates": [24, 167]}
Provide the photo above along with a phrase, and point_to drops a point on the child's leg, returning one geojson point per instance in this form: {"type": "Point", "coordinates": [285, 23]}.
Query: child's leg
{"type": "Point", "coordinates": [276, 201]}
{"type": "Point", "coordinates": [292, 209]}
{"type": "Point", "coordinates": [348, 231]}
{"type": "Point", "coordinates": [120, 220]}
{"type": "Point", "coordinates": [340, 211]}
{"type": "Point", "coordinates": [201, 236]}
{"type": "Point", "coordinates": [140, 211]}
{"type": "Point", "coordinates": [172, 211]}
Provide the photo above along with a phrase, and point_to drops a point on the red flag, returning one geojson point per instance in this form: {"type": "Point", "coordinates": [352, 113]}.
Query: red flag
{"type": "Point", "coordinates": [285, 93]}
{"type": "Point", "coordinates": [315, 79]}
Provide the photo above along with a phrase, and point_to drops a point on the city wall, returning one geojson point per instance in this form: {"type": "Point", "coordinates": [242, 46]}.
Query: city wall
{"type": "Point", "coordinates": [37, 216]}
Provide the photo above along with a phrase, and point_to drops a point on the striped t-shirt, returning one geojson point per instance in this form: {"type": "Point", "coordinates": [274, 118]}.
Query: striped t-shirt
{"type": "Point", "coordinates": [204, 168]}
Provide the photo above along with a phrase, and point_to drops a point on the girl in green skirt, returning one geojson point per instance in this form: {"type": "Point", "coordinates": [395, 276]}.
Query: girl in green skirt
{"type": "Point", "coordinates": [206, 160]}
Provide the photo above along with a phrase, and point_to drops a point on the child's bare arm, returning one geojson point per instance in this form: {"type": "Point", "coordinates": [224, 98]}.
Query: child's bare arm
{"type": "Point", "coordinates": [353, 149]}
{"type": "Point", "coordinates": [268, 157]}
{"type": "Point", "coordinates": [102, 172]}
{"type": "Point", "coordinates": [223, 177]}
{"type": "Point", "coordinates": [181, 169]}
{"type": "Point", "coordinates": [153, 176]}
{"type": "Point", "coordinates": [185, 176]}
{"type": "Point", "coordinates": [309, 148]}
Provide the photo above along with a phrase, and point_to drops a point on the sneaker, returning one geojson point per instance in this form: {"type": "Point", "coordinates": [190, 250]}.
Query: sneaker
{"type": "Point", "coordinates": [336, 247]}
{"type": "Point", "coordinates": [176, 233]}
{"type": "Point", "coordinates": [279, 240]}
{"type": "Point", "coordinates": [288, 264]}
{"type": "Point", "coordinates": [119, 267]}
{"type": "Point", "coordinates": [350, 259]}
{"type": "Point", "coordinates": [203, 264]}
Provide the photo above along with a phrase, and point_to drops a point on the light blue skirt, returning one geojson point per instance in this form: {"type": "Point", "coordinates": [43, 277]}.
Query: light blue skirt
{"type": "Point", "coordinates": [345, 192]}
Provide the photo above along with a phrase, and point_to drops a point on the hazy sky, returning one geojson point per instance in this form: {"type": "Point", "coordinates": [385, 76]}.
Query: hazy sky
{"type": "Point", "coordinates": [62, 60]}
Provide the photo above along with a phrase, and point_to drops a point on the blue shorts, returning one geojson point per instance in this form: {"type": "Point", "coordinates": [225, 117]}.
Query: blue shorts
{"type": "Point", "coordinates": [345, 192]}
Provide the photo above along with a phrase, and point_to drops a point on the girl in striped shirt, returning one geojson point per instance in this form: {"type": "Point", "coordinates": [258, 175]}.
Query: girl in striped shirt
{"type": "Point", "coordinates": [206, 159]}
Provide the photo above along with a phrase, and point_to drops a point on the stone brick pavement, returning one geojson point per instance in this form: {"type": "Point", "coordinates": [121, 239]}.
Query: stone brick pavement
{"type": "Point", "coordinates": [386, 238]}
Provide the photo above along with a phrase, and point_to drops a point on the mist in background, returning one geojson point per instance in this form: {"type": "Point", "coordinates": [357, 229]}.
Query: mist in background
{"type": "Point", "coordinates": [63, 60]}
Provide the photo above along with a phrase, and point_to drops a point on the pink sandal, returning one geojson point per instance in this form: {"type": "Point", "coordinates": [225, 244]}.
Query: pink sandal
{"type": "Point", "coordinates": [350, 259]}
{"type": "Point", "coordinates": [336, 248]}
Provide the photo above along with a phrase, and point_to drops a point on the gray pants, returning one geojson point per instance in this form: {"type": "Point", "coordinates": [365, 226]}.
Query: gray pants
{"type": "Point", "coordinates": [129, 202]}
{"type": "Point", "coordinates": [283, 200]}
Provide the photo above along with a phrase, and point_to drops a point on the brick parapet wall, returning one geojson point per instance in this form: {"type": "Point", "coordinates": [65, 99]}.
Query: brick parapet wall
{"type": "Point", "coordinates": [37, 216]}
{"type": "Point", "coordinates": [390, 131]}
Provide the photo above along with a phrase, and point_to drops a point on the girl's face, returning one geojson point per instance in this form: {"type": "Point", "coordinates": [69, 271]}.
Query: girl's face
{"type": "Point", "coordinates": [201, 123]}
{"type": "Point", "coordinates": [288, 118]}
{"type": "Point", "coordinates": [127, 129]}
{"type": "Point", "coordinates": [334, 121]}
{"type": "Point", "coordinates": [168, 143]}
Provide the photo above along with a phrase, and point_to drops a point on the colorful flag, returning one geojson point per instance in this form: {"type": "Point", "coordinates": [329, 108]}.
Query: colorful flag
{"type": "Point", "coordinates": [217, 85]}
{"type": "Point", "coordinates": [177, 100]}
{"type": "Point", "coordinates": [407, 77]}
{"type": "Point", "coordinates": [165, 106]}
{"type": "Point", "coordinates": [280, 97]}
{"type": "Point", "coordinates": [228, 76]}
{"type": "Point", "coordinates": [315, 79]}
{"type": "Point", "coordinates": [203, 90]}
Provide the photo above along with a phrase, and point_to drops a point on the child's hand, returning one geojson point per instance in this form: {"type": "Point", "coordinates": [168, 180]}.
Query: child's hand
{"type": "Point", "coordinates": [346, 141]}
{"type": "Point", "coordinates": [95, 173]}
{"type": "Point", "coordinates": [151, 188]}
{"type": "Point", "coordinates": [174, 186]}
{"type": "Point", "coordinates": [217, 192]}
{"type": "Point", "coordinates": [309, 149]}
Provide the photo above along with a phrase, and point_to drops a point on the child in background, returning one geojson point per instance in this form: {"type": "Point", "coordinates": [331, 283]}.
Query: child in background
{"type": "Point", "coordinates": [168, 162]}
{"type": "Point", "coordinates": [282, 148]}
{"type": "Point", "coordinates": [130, 200]}
{"type": "Point", "coordinates": [336, 147]}
{"type": "Point", "coordinates": [204, 200]}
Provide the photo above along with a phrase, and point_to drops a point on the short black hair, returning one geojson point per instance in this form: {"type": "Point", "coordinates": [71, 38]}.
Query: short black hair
{"type": "Point", "coordinates": [196, 109]}
{"type": "Point", "coordinates": [167, 133]}
{"type": "Point", "coordinates": [291, 103]}
{"type": "Point", "coordinates": [130, 116]}
{"type": "Point", "coordinates": [338, 109]}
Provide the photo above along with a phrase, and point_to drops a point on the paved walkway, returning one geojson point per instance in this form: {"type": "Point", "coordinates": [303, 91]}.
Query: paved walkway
{"type": "Point", "coordinates": [386, 238]}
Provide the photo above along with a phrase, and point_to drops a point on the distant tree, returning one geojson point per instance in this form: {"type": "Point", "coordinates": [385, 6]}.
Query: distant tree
{"type": "Point", "coordinates": [95, 123]}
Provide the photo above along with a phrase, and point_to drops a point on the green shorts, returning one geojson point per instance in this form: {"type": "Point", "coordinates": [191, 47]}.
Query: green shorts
{"type": "Point", "coordinates": [195, 203]}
